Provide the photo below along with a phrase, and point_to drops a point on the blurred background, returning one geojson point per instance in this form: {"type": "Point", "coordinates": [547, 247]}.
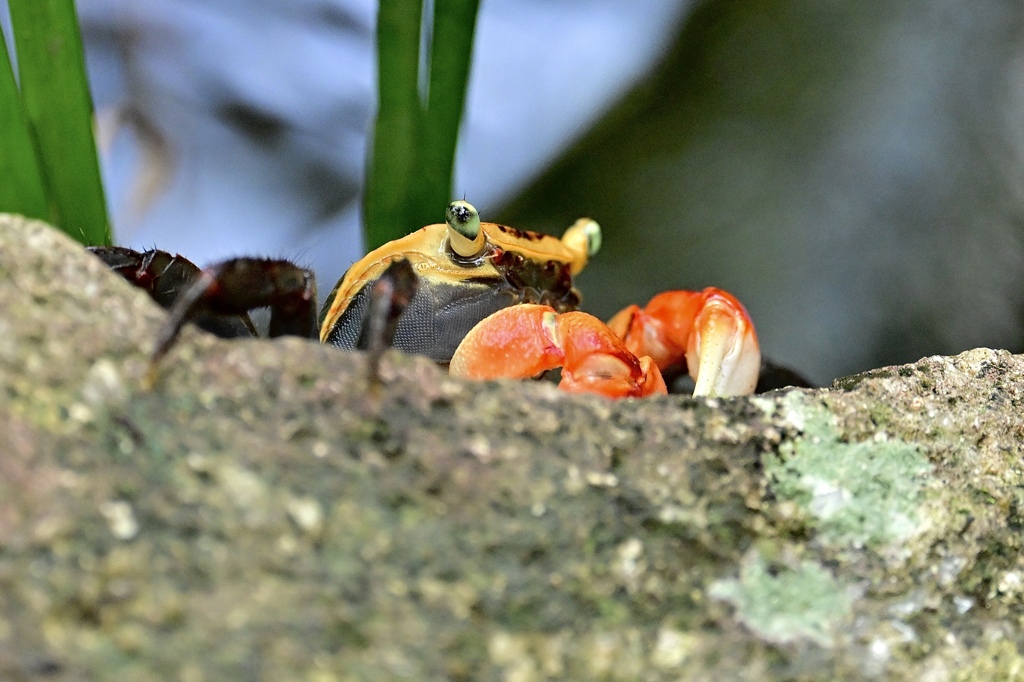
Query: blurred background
{"type": "Point", "coordinates": [854, 172]}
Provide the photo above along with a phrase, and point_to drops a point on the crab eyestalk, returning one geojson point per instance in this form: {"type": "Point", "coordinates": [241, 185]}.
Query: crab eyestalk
{"type": "Point", "coordinates": [583, 238]}
{"type": "Point", "coordinates": [464, 233]}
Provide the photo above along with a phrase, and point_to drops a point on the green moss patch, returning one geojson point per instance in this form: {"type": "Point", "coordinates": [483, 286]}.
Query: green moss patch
{"type": "Point", "coordinates": [858, 494]}
{"type": "Point", "coordinates": [786, 604]}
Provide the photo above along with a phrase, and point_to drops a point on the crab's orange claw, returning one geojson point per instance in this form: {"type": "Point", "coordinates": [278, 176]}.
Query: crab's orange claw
{"type": "Point", "coordinates": [710, 329]}
{"type": "Point", "coordinates": [514, 343]}
{"type": "Point", "coordinates": [596, 361]}
{"type": "Point", "coordinates": [524, 340]}
{"type": "Point", "coordinates": [723, 347]}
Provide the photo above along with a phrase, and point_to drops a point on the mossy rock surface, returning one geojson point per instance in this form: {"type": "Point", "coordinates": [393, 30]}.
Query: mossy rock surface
{"type": "Point", "coordinates": [263, 513]}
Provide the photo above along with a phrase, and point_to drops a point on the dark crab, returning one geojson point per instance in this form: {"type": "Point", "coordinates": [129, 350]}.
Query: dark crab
{"type": "Point", "coordinates": [490, 300]}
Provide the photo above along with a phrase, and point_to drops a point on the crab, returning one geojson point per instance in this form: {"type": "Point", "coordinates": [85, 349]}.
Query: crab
{"type": "Point", "coordinates": [487, 300]}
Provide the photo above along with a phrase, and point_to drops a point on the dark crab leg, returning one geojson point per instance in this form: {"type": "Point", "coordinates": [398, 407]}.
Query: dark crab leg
{"type": "Point", "coordinates": [165, 276]}
{"type": "Point", "coordinates": [239, 285]}
{"type": "Point", "coordinates": [390, 295]}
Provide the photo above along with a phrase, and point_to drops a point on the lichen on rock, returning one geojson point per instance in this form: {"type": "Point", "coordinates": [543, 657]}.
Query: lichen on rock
{"type": "Point", "coordinates": [861, 493]}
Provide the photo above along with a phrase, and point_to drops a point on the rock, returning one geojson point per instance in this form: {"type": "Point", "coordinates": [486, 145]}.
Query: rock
{"type": "Point", "coordinates": [263, 512]}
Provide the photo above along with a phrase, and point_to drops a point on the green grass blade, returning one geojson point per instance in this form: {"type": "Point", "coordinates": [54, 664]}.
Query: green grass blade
{"type": "Point", "coordinates": [450, 56]}
{"type": "Point", "coordinates": [392, 167]}
{"type": "Point", "coordinates": [409, 179]}
{"type": "Point", "coordinates": [55, 93]}
{"type": "Point", "coordinates": [21, 190]}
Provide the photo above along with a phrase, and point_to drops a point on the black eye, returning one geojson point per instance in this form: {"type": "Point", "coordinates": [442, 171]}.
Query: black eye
{"type": "Point", "coordinates": [461, 214]}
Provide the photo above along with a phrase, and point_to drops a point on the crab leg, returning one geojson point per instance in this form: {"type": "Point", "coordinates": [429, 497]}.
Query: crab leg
{"type": "Point", "coordinates": [238, 285]}
{"type": "Point", "coordinates": [524, 340]}
{"type": "Point", "coordinates": [710, 329]}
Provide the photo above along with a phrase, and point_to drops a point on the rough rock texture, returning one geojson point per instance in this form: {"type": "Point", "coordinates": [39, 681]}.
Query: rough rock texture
{"type": "Point", "coordinates": [264, 513]}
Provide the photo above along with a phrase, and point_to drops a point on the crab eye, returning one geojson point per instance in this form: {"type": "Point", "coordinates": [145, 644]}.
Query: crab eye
{"type": "Point", "coordinates": [464, 233]}
{"type": "Point", "coordinates": [583, 236]}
